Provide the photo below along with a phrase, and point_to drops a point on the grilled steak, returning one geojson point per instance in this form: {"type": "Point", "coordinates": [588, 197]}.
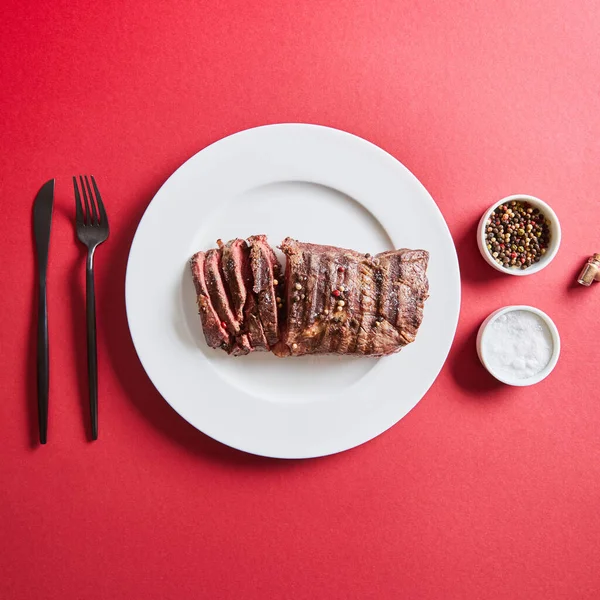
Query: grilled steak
{"type": "Point", "coordinates": [265, 266]}
{"type": "Point", "coordinates": [343, 302]}
{"type": "Point", "coordinates": [338, 301]}
{"type": "Point", "coordinates": [216, 335]}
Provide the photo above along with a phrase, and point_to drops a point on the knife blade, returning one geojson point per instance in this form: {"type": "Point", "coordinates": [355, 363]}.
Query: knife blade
{"type": "Point", "coordinates": [42, 222]}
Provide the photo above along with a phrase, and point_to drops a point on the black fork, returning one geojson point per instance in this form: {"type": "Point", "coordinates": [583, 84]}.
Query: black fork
{"type": "Point", "coordinates": [92, 229]}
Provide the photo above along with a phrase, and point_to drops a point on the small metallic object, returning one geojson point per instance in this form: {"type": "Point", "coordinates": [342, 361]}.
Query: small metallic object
{"type": "Point", "coordinates": [91, 224]}
{"type": "Point", "coordinates": [42, 221]}
{"type": "Point", "coordinates": [591, 271]}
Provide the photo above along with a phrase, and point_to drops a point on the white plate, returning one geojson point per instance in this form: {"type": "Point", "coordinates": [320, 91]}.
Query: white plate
{"type": "Point", "coordinates": [318, 185]}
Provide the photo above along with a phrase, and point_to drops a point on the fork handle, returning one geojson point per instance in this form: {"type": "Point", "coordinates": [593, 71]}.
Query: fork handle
{"type": "Point", "coordinates": [90, 297]}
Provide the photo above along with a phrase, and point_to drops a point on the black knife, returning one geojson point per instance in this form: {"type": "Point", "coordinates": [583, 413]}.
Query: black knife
{"type": "Point", "coordinates": [42, 220]}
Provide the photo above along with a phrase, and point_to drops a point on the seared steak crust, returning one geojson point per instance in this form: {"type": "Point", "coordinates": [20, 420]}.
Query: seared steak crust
{"type": "Point", "coordinates": [343, 302]}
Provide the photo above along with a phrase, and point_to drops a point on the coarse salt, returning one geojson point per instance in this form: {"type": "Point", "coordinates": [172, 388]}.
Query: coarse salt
{"type": "Point", "coordinates": [517, 345]}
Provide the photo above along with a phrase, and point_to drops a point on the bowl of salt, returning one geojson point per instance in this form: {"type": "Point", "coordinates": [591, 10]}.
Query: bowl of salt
{"type": "Point", "coordinates": [518, 345]}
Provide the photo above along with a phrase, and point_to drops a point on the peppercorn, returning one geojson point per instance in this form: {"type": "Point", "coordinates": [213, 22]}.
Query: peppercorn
{"type": "Point", "coordinates": [517, 235]}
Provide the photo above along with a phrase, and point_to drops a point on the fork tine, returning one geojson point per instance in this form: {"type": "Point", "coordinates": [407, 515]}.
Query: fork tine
{"type": "Point", "coordinates": [78, 205]}
{"type": "Point", "coordinates": [95, 220]}
{"type": "Point", "coordinates": [103, 217]}
{"type": "Point", "coordinates": [88, 212]}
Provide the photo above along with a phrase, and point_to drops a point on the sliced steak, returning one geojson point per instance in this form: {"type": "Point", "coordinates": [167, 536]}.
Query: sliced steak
{"type": "Point", "coordinates": [216, 335]}
{"type": "Point", "coordinates": [265, 269]}
{"type": "Point", "coordinates": [343, 302]}
{"type": "Point", "coordinates": [338, 301]}
{"type": "Point", "coordinates": [217, 292]}
{"type": "Point", "coordinates": [235, 259]}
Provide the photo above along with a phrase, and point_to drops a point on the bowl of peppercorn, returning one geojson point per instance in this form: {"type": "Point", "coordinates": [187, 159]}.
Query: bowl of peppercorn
{"type": "Point", "coordinates": [519, 235]}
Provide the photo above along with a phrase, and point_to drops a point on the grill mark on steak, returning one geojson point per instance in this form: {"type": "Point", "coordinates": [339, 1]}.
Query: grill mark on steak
{"type": "Point", "coordinates": [389, 307]}
{"type": "Point", "coordinates": [217, 293]}
{"type": "Point", "coordinates": [234, 256]}
{"type": "Point", "coordinates": [341, 316]}
{"type": "Point", "coordinates": [368, 307]}
{"type": "Point", "coordinates": [216, 336]}
{"type": "Point", "coordinates": [327, 338]}
{"type": "Point", "coordinates": [328, 284]}
{"type": "Point", "coordinates": [355, 299]}
{"type": "Point", "coordinates": [351, 299]}
{"type": "Point", "coordinates": [347, 296]}
{"type": "Point", "coordinates": [373, 347]}
{"type": "Point", "coordinates": [361, 331]}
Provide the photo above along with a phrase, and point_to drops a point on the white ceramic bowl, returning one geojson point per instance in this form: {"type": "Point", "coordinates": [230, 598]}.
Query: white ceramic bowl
{"type": "Point", "coordinates": [484, 328]}
{"type": "Point", "coordinates": [555, 236]}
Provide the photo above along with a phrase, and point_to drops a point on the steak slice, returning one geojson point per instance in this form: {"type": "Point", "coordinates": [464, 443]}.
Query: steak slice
{"type": "Point", "coordinates": [265, 267]}
{"type": "Point", "coordinates": [217, 292]}
{"type": "Point", "coordinates": [343, 302]}
{"type": "Point", "coordinates": [235, 258]}
{"type": "Point", "coordinates": [216, 335]}
{"type": "Point", "coordinates": [252, 324]}
{"type": "Point", "coordinates": [241, 345]}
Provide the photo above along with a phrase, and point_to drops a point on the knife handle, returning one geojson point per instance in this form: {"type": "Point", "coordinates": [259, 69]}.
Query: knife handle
{"type": "Point", "coordinates": [43, 365]}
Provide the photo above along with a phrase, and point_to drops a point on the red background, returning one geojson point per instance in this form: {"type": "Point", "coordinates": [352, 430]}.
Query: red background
{"type": "Point", "coordinates": [482, 491]}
